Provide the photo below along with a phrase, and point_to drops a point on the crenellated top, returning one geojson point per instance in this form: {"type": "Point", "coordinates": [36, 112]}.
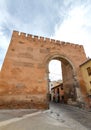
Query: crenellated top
{"type": "Point", "coordinates": [44, 39]}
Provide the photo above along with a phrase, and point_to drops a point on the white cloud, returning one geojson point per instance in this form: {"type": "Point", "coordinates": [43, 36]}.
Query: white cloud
{"type": "Point", "coordinates": [4, 42]}
{"type": "Point", "coordinates": [74, 28]}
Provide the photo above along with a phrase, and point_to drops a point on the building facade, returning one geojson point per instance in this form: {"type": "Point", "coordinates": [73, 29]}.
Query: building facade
{"type": "Point", "coordinates": [86, 73]}
{"type": "Point", "coordinates": [57, 94]}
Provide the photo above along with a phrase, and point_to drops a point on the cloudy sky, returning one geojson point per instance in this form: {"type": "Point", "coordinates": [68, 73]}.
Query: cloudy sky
{"type": "Point", "coordinates": [66, 20]}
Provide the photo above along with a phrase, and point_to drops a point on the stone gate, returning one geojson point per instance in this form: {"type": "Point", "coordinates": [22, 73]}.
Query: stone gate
{"type": "Point", "coordinates": [24, 74]}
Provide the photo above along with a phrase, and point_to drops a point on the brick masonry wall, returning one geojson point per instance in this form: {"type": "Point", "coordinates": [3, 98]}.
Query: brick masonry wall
{"type": "Point", "coordinates": [24, 75]}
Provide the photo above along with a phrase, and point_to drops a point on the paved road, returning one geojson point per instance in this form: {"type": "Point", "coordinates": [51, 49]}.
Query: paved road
{"type": "Point", "coordinates": [69, 112]}
{"type": "Point", "coordinates": [59, 117]}
{"type": "Point", "coordinates": [14, 113]}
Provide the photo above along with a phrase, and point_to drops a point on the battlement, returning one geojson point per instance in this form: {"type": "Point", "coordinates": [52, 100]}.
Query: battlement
{"type": "Point", "coordinates": [44, 39]}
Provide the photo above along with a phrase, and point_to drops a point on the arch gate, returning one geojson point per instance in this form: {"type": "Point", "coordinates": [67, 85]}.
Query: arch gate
{"type": "Point", "coordinates": [24, 74]}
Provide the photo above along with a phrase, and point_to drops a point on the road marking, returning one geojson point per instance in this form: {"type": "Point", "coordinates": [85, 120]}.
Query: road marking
{"type": "Point", "coordinates": [6, 122]}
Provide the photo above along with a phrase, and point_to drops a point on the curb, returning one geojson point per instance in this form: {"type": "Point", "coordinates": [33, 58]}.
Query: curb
{"type": "Point", "coordinates": [6, 122]}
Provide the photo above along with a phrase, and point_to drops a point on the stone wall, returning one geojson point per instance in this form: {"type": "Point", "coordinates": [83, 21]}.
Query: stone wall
{"type": "Point", "coordinates": [24, 74]}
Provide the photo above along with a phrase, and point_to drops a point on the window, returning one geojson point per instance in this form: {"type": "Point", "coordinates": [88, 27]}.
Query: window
{"type": "Point", "coordinates": [89, 71]}
{"type": "Point", "coordinates": [58, 90]}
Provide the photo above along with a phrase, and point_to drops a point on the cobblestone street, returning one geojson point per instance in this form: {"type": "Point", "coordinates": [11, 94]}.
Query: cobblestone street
{"type": "Point", "coordinates": [65, 113]}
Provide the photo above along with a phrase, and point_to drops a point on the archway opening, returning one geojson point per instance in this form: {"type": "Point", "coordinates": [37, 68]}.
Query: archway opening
{"type": "Point", "coordinates": [55, 71]}
{"type": "Point", "coordinates": [61, 81]}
